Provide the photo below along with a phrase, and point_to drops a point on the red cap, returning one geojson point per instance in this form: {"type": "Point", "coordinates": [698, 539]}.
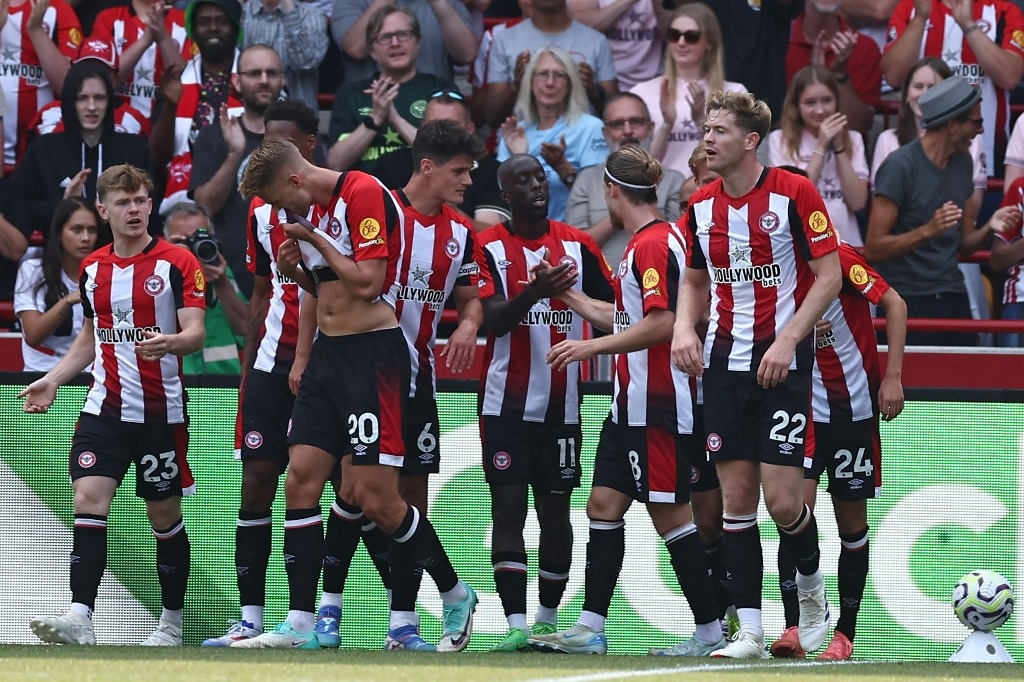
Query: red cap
{"type": "Point", "coordinates": [97, 48]}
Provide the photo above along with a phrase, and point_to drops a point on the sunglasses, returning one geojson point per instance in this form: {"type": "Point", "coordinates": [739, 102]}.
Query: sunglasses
{"type": "Point", "coordinates": [453, 94]}
{"type": "Point", "coordinates": [691, 37]}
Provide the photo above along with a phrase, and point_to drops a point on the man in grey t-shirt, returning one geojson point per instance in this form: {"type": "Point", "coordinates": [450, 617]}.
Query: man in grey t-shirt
{"type": "Point", "coordinates": [550, 24]}
{"type": "Point", "coordinates": [921, 220]}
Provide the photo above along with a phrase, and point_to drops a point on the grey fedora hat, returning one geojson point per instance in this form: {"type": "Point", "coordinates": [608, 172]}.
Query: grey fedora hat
{"type": "Point", "coordinates": [946, 100]}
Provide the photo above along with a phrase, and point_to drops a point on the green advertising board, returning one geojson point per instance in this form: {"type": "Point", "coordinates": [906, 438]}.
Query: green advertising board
{"type": "Point", "coordinates": [950, 504]}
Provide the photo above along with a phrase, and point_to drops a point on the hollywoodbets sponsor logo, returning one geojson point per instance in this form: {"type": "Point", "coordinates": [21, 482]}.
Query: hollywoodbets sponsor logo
{"type": "Point", "coordinates": [559, 319]}
{"type": "Point", "coordinates": [768, 275]}
{"type": "Point", "coordinates": [432, 297]}
{"type": "Point", "coordinates": [121, 335]}
{"type": "Point", "coordinates": [622, 321]}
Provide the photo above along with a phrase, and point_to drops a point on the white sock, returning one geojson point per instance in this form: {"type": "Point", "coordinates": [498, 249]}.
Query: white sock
{"type": "Point", "coordinates": [517, 620]}
{"type": "Point", "coordinates": [808, 583]}
{"type": "Point", "coordinates": [589, 619]}
{"type": "Point", "coordinates": [171, 617]}
{"type": "Point", "coordinates": [709, 633]}
{"type": "Point", "coordinates": [302, 622]}
{"type": "Point", "coordinates": [253, 614]}
{"type": "Point", "coordinates": [330, 599]}
{"type": "Point", "coordinates": [403, 618]}
{"type": "Point", "coordinates": [546, 615]}
{"type": "Point", "coordinates": [750, 620]}
{"type": "Point", "coordinates": [80, 610]}
{"type": "Point", "coordinates": [455, 595]}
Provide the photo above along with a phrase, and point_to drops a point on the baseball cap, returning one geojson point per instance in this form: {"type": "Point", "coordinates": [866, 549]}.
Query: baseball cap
{"type": "Point", "coordinates": [99, 49]}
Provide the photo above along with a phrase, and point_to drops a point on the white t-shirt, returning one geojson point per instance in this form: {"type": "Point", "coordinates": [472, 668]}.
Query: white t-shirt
{"type": "Point", "coordinates": [829, 185]}
{"type": "Point", "coordinates": [636, 43]}
{"type": "Point", "coordinates": [887, 143]}
{"type": "Point", "coordinates": [43, 357]}
{"type": "Point", "coordinates": [685, 135]}
{"type": "Point", "coordinates": [1015, 146]}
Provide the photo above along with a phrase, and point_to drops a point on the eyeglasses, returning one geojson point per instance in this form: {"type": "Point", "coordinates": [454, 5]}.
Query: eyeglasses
{"type": "Point", "coordinates": [977, 122]}
{"type": "Point", "coordinates": [454, 94]}
{"type": "Point", "coordinates": [691, 37]}
{"type": "Point", "coordinates": [635, 122]}
{"type": "Point", "coordinates": [256, 73]}
{"type": "Point", "coordinates": [401, 36]}
{"type": "Point", "coordinates": [560, 76]}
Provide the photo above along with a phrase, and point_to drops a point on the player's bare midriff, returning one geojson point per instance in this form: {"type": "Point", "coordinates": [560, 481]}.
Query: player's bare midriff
{"type": "Point", "coordinates": [340, 312]}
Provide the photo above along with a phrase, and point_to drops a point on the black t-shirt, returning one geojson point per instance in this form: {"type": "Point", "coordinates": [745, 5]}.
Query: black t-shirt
{"type": "Point", "coordinates": [9, 268]}
{"type": "Point", "coordinates": [229, 224]}
{"type": "Point", "coordinates": [395, 168]}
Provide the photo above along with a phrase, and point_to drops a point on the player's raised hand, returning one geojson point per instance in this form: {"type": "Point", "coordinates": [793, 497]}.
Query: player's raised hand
{"type": "Point", "coordinates": [550, 280]}
{"type": "Point", "coordinates": [39, 395]}
{"type": "Point", "coordinates": [569, 351]}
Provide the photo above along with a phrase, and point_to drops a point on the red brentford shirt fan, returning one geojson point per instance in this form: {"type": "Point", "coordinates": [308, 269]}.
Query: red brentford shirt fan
{"type": "Point", "coordinates": [649, 389]}
{"type": "Point", "coordinates": [756, 249]}
{"type": "Point", "coordinates": [517, 381]}
{"type": "Point", "coordinates": [24, 83]}
{"type": "Point", "coordinates": [429, 258]}
{"type": "Point", "coordinates": [126, 297]}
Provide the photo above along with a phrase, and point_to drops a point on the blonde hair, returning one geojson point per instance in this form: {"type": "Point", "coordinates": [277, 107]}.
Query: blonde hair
{"type": "Point", "coordinates": [792, 125]}
{"type": "Point", "coordinates": [712, 65]}
{"type": "Point", "coordinates": [699, 156]}
{"type": "Point", "coordinates": [123, 177]}
{"type": "Point", "coordinates": [576, 104]}
{"type": "Point", "coordinates": [634, 166]}
{"type": "Point", "coordinates": [266, 164]}
{"type": "Point", "coordinates": [752, 114]}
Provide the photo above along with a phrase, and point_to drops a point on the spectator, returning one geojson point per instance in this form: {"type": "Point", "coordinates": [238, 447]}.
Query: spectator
{"type": "Point", "coordinates": [635, 30]}
{"type": "Point", "coordinates": [394, 96]}
{"type": "Point", "coordinates": [700, 176]}
{"type": "Point", "coordinates": [478, 74]}
{"type": "Point", "coordinates": [820, 36]}
{"type": "Point", "coordinates": [1008, 256]}
{"type": "Point", "coordinates": [13, 242]}
{"type": "Point", "coordinates": [39, 38]}
{"type": "Point", "coordinates": [482, 202]}
{"type": "Point", "coordinates": [50, 118]}
{"type": "Point", "coordinates": [297, 31]}
{"type": "Point", "coordinates": [149, 39]}
{"type": "Point", "coordinates": [757, 32]}
{"type": "Point", "coordinates": [67, 163]}
{"type": "Point", "coordinates": [870, 17]}
{"type": "Point", "coordinates": [447, 36]}
{"type": "Point", "coordinates": [979, 40]}
{"type": "Point", "coordinates": [815, 137]}
{"type": "Point", "coordinates": [194, 97]}
{"type": "Point", "coordinates": [221, 152]}
{"type": "Point", "coordinates": [556, 130]}
{"type": "Point", "coordinates": [189, 225]}
{"type": "Point", "coordinates": [1014, 162]}
{"type": "Point", "coordinates": [926, 73]}
{"type": "Point", "coordinates": [693, 68]}
{"type": "Point", "coordinates": [921, 218]}
{"type": "Point", "coordinates": [626, 122]}
{"type": "Point", "coordinates": [549, 24]}
{"type": "Point", "coordinates": [47, 297]}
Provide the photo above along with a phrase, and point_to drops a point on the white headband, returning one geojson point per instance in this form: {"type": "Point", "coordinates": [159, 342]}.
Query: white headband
{"type": "Point", "coordinates": [626, 184]}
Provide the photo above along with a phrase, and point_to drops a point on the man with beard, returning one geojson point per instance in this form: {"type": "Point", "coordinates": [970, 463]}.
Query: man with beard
{"type": "Point", "coordinates": [222, 150]}
{"type": "Point", "coordinates": [195, 95]}
{"type": "Point", "coordinates": [626, 121]}
{"type": "Point", "coordinates": [529, 414]}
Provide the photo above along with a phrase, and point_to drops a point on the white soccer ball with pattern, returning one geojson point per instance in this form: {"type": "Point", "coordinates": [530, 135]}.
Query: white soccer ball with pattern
{"type": "Point", "coordinates": [983, 600]}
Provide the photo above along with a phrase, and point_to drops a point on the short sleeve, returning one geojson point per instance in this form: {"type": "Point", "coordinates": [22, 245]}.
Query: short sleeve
{"type": "Point", "coordinates": [469, 270]}
{"type": "Point", "coordinates": [656, 270]}
{"type": "Point", "coordinates": [489, 282]}
{"type": "Point", "coordinates": [26, 296]}
{"type": "Point", "coordinates": [691, 245]}
{"type": "Point", "coordinates": [257, 260]}
{"type": "Point", "coordinates": [1015, 146]}
{"type": "Point", "coordinates": [1014, 196]}
{"type": "Point", "coordinates": [889, 181]}
{"type": "Point", "coordinates": [861, 276]}
{"type": "Point", "coordinates": [501, 60]}
{"type": "Point", "coordinates": [371, 215]}
{"type": "Point", "coordinates": [193, 283]}
{"type": "Point", "coordinates": [815, 225]}
{"type": "Point", "coordinates": [901, 16]}
{"type": "Point", "coordinates": [1013, 29]}
{"type": "Point", "coordinates": [597, 277]}
{"type": "Point", "coordinates": [68, 35]}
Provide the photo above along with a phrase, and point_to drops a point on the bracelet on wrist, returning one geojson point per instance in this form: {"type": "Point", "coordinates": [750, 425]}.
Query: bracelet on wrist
{"type": "Point", "coordinates": [968, 30]}
{"type": "Point", "coordinates": [821, 154]}
{"type": "Point", "coordinates": [369, 123]}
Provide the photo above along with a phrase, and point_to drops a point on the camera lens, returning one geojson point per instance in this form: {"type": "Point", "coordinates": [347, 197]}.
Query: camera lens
{"type": "Point", "coordinates": [206, 250]}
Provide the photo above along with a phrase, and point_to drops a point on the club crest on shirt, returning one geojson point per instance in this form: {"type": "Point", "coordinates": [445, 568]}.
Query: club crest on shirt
{"type": "Point", "coordinates": [452, 248]}
{"type": "Point", "coordinates": [154, 285]}
{"type": "Point", "coordinates": [768, 222]}
{"type": "Point", "coordinates": [334, 228]}
{"type": "Point", "coordinates": [567, 260]}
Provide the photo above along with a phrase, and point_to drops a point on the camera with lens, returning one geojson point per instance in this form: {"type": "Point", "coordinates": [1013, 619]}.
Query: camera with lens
{"type": "Point", "coordinates": [205, 246]}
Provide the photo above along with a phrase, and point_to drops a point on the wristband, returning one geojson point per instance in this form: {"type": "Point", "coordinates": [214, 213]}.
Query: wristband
{"type": "Point", "coordinates": [971, 29]}
{"type": "Point", "coordinates": [370, 123]}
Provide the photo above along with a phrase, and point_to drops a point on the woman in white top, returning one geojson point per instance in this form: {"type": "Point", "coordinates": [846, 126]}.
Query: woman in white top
{"type": "Point", "coordinates": [814, 136]}
{"type": "Point", "coordinates": [922, 76]}
{"type": "Point", "coordinates": [46, 295]}
{"type": "Point", "coordinates": [1014, 161]}
{"type": "Point", "coordinates": [693, 68]}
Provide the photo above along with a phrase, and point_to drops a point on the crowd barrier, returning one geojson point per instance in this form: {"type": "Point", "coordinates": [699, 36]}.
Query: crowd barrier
{"type": "Point", "coordinates": [951, 503]}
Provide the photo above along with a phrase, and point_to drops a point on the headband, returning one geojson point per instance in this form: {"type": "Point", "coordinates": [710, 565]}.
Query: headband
{"type": "Point", "coordinates": [626, 184]}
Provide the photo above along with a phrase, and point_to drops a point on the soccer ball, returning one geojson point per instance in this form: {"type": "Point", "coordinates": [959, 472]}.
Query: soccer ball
{"type": "Point", "coordinates": [983, 600]}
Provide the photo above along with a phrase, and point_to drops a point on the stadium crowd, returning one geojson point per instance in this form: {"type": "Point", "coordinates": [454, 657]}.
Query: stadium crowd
{"type": "Point", "coordinates": [573, 178]}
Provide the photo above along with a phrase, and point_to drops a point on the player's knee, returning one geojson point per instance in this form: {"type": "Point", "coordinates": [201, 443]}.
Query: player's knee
{"type": "Point", "coordinates": [163, 513]}
{"type": "Point", "coordinates": [784, 509]}
{"type": "Point", "coordinates": [259, 485]}
{"type": "Point", "coordinates": [508, 508]}
{"type": "Point", "coordinates": [91, 499]}
{"type": "Point", "coordinates": [302, 489]}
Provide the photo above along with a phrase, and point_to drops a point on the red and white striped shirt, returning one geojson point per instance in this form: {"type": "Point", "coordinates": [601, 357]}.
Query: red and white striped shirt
{"type": "Point", "coordinates": [126, 297]}
{"type": "Point", "coordinates": [22, 78]}
{"type": "Point", "coordinates": [429, 258]}
{"type": "Point", "coordinates": [279, 332]}
{"type": "Point", "coordinates": [847, 375]}
{"type": "Point", "coordinates": [517, 380]}
{"type": "Point", "coordinates": [1013, 287]}
{"type": "Point", "coordinates": [1003, 22]}
{"type": "Point", "coordinates": [122, 27]}
{"type": "Point", "coordinates": [649, 389]}
{"type": "Point", "coordinates": [359, 222]}
{"type": "Point", "coordinates": [756, 249]}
